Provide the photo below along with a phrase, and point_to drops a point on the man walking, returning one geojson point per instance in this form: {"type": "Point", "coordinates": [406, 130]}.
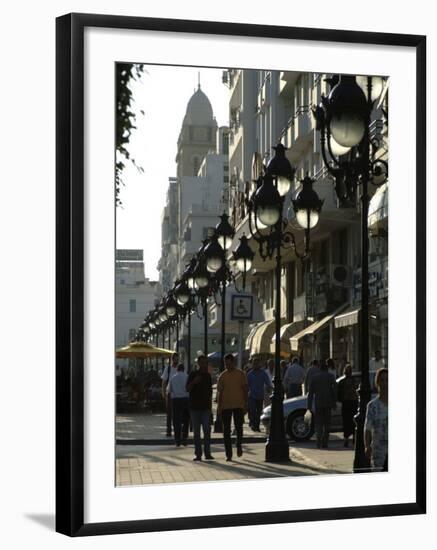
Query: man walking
{"type": "Point", "coordinates": [293, 379]}
{"type": "Point", "coordinates": [232, 402]}
{"type": "Point", "coordinates": [258, 382]}
{"type": "Point", "coordinates": [376, 424]}
{"type": "Point", "coordinates": [169, 371]}
{"type": "Point", "coordinates": [179, 401]}
{"type": "Point", "coordinates": [313, 369]}
{"type": "Point", "coordinates": [199, 386]}
{"type": "Point", "coordinates": [322, 395]}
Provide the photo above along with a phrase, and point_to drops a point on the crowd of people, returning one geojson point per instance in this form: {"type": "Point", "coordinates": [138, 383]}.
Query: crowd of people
{"type": "Point", "coordinates": [189, 397]}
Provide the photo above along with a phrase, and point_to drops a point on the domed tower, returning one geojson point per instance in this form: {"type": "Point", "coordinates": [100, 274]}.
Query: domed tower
{"type": "Point", "coordinates": [197, 136]}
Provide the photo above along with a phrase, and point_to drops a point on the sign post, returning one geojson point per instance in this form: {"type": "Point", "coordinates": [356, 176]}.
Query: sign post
{"type": "Point", "coordinates": [241, 310]}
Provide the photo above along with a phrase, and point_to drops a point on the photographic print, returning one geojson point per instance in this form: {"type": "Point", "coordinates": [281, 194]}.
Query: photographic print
{"type": "Point", "coordinates": [239, 186]}
{"type": "Point", "coordinates": [240, 266]}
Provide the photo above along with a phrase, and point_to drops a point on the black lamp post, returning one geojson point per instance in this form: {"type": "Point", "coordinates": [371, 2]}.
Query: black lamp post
{"type": "Point", "coordinates": [269, 230]}
{"type": "Point", "coordinates": [343, 119]}
{"type": "Point", "coordinates": [183, 297]}
{"type": "Point", "coordinates": [243, 257]}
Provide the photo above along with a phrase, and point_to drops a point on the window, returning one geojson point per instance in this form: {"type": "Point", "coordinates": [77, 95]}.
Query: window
{"type": "Point", "coordinates": [132, 333]}
{"type": "Point", "coordinates": [196, 165]}
{"type": "Point", "coordinates": [132, 306]}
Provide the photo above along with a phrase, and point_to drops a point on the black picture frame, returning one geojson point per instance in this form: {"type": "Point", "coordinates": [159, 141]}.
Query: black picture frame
{"type": "Point", "coordinates": [70, 273]}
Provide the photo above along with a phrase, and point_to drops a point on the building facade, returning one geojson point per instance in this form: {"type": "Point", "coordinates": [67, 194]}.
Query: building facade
{"type": "Point", "coordinates": [135, 295]}
{"type": "Point", "coordinates": [320, 296]}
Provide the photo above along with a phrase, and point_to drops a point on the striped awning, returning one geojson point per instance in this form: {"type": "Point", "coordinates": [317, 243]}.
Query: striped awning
{"type": "Point", "coordinates": [287, 331]}
{"type": "Point", "coordinates": [311, 330]}
{"type": "Point", "coordinates": [347, 319]}
{"type": "Point", "coordinates": [378, 206]}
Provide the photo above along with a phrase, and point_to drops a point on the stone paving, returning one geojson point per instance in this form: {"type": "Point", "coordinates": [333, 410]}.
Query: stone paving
{"type": "Point", "coordinates": [139, 465]}
{"type": "Point", "coordinates": [147, 456]}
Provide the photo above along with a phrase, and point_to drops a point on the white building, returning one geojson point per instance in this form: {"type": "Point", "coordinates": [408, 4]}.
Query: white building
{"type": "Point", "coordinates": [135, 295]}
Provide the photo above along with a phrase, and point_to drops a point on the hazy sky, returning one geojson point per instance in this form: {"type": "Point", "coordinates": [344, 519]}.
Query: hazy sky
{"type": "Point", "coordinates": [162, 93]}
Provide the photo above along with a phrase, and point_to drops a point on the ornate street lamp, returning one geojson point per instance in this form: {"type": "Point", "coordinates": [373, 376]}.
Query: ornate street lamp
{"type": "Point", "coordinates": [243, 257]}
{"type": "Point", "coordinates": [214, 255]}
{"type": "Point", "coordinates": [224, 232]}
{"type": "Point", "coordinates": [269, 230]}
{"type": "Point", "coordinates": [344, 116]}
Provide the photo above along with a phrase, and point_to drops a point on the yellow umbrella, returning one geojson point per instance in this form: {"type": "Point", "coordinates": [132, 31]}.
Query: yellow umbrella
{"type": "Point", "coordinates": [141, 350]}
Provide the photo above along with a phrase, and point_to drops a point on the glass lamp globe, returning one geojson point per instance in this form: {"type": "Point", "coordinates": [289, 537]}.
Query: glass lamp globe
{"type": "Point", "coordinates": [182, 298]}
{"type": "Point", "coordinates": [163, 317]}
{"type": "Point", "coordinates": [307, 219]}
{"type": "Point", "coordinates": [259, 224]}
{"type": "Point", "coordinates": [213, 264]}
{"type": "Point", "coordinates": [201, 281]}
{"type": "Point", "coordinates": [347, 129]}
{"type": "Point", "coordinates": [243, 264]}
{"type": "Point", "coordinates": [338, 149]}
{"type": "Point", "coordinates": [171, 311]}
{"type": "Point", "coordinates": [267, 215]}
{"type": "Point", "coordinates": [225, 242]}
{"type": "Point", "coordinates": [377, 86]}
{"type": "Point", "coordinates": [284, 185]}
{"type": "Point", "coordinates": [191, 282]}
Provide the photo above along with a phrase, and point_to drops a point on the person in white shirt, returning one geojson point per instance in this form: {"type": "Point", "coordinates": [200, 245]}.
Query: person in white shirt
{"type": "Point", "coordinates": [169, 371]}
{"type": "Point", "coordinates": [180, 405]}
{"type": "Point", "coordinates": [293, 378]}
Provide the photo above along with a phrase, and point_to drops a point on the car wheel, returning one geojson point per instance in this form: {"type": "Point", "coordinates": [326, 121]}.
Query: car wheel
{"type": "Point", "coordinates": [297, 428]}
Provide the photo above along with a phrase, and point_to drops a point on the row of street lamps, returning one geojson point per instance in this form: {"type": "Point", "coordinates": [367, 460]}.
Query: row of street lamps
{"type": "Point", "coordinates": [343, 120]}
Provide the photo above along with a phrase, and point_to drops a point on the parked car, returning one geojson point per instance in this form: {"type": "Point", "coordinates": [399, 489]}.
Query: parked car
{"type": "Point", "coordinates": [294, 411]}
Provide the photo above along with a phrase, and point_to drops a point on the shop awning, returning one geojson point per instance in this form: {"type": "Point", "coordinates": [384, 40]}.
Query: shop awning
{"type": "Point", "coordinates": [315, 327]}
{"type": "Point", "coordinates": [287, 331]}
{"type": "Point", "coordinates": [260, 340]}
{"type": "Point", "coordinates": [348, 318]}
{"type": "Point", "coordinates": [378, 206]}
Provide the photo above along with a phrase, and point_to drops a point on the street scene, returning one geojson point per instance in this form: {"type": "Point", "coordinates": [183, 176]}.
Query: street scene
{"type": "Point", "coordinates": [251, 274]}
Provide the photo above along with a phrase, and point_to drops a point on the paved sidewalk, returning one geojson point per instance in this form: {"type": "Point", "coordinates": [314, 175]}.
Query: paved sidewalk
{"type": "Point", "coordinates": [146, 427]}
{"type": "Point", "coordinates": [139, 465]}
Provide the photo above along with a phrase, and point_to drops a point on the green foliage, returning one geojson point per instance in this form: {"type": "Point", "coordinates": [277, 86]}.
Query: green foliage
{"type": "Point", "coordinates": [125, 119]}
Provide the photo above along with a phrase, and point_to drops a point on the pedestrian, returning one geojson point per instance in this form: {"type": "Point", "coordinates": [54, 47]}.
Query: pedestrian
{"type": "Point", "coordinates": [377, 362]}
{"type": "Point", "coordinates": [199, 386]}
{"type": "Point", "coordinates": [293, 378]}
{"type": "Point", "coordinates": [258, 382]}
{"type": "Point", "coordinates": [177, 389]}
{"type": "Point", "coordinates": [232, 393]}
{"type": "Point", "coordinates": [169, 371]}
{"type": "Point", "coordinates": [312, 370]}
{"type": "Point", "coordinates": [376, 424]}
{"type": "Point", "coordinates": [270, 371]}
{"type": "Point", "coordinates": [347, 396]}
{"type": "Point", "coordinates": [331, 367]}
{"type": "Point", "coordinates": [321, 400]}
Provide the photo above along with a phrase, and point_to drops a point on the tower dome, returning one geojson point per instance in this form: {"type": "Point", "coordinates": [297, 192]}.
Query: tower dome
{"type": "Point", "coordinates": [199, 110]}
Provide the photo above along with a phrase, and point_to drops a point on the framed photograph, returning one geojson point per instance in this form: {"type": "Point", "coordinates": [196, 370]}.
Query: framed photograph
{"type": "Point", "coordinates": [240, 265]}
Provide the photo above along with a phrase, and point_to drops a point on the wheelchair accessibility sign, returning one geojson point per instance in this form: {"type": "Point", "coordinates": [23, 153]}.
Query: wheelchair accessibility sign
{"type": "Point", "coordinates": [242, 307]}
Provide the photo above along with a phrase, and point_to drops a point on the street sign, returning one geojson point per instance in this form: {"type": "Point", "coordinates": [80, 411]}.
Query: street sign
{"type": "Point", "coordinates": [242, 307]}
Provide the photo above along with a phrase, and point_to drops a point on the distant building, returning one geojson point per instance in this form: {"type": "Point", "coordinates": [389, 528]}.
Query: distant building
{"type": "Point", "coordinates": [195, 199]}
{"type": "Point", "coordinates": [135, 295]}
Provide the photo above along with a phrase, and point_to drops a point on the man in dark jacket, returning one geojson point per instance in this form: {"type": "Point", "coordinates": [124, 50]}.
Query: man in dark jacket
{"type": "Point", "coordinates": [199, 386]}
{"type": "Point", "coordinates": [322, 399]}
